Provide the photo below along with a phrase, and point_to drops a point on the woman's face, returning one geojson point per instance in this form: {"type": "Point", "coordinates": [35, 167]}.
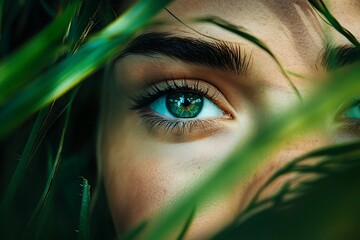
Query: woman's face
{"type": "Point", "coordinates": [180, 102]}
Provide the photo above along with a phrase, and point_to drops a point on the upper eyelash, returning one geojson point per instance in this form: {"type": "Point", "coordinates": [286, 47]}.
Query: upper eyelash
{"type": "Point", "coordinates": [155, 91]}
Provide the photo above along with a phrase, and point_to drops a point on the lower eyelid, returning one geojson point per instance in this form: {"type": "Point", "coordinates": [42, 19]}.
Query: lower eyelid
{"type": "Point", "coordinates": [351, 125]}
{"type": "Point", "coordinates": [180, 130]}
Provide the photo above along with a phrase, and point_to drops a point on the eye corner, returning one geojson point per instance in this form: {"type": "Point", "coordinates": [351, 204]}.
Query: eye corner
{"type": "Point", "coordinates": [228, 116]}
{"type": "Point", "coordinates": [349, 111]}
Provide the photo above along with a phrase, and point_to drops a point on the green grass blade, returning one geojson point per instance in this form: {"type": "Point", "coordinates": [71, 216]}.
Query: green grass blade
{"type": "Point", "coordinates": [187, 225]}
{"type": "Point", "coordinates": [320, 6]}
{"type": "Point", "coordinates": [24, 160]}
{"type": "Point", "coordinates": [84, 221]}
{"type": "Point", "coordinates": [250, 155]}
{"type": "Point", "coordinates": [47, 8]}
{"type": "Point", "coordinates": [331, 158]}
{"type": "Point", "coordinates": [82, 23]}
{"type": "Point", "coordinates": [1, 18]}
{"type": "Point", "coordinates": [342, 175]}
{"type": "Point", "coordinates": [23, 65]}
{"type": "Point", "coordinates": [41, 204]}
{"type": "Point", "coordinates": [134, 233]}
{"type": "Point", "coordinates": [72, 70]}
{"type": "Point", "coordinates": [242, 33]}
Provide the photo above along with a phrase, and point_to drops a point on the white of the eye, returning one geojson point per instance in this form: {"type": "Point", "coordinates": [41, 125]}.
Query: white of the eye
{"type": "Point", "coordinates": [209, 109]}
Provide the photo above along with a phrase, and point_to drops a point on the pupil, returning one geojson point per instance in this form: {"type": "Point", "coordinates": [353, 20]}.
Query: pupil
{"type": "Point", "coordinates": [184, 105]}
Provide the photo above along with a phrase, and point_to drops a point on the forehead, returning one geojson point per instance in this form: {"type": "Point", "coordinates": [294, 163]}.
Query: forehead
{"type": "Point", "coordinates": [251, 12]}
{"type": "Point", "coordinates": [291, 28]}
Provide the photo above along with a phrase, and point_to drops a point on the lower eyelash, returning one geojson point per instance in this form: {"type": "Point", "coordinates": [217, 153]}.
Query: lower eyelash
{"type": "Point", "coordinates": [177, 127]}
{"type": "Point", "coordinates": [352, 126]}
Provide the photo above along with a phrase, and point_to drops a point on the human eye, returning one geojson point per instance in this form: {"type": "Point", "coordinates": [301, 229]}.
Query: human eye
{"type": "Point", "coordinates": [182, 108]}
{"type": "Point", "coordinates": [353, 111]}
{"type": "Point", "coordinates": [349, 116]}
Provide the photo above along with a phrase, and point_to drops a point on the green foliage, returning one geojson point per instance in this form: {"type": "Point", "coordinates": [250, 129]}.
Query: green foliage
{"type": "Point", "coordinates": [22, 66]}
{"type": "Point", "coordinates": [70, 71]}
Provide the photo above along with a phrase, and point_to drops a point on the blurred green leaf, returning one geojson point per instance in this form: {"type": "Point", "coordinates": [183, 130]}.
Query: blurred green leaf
{"type": "Point", "coordinates": [24, 162]}
{"type": "Point", "coordinates": [72, 70]}
{"type": "Point", "coordinates": [22, 66]}
{"type": "Point", "coordinates": [41, 204]}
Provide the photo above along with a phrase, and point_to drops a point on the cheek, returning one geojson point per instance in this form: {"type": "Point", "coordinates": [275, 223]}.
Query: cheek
{"type": "Point", "coordinates": [134, 190]}
{"type": "Point", "coordinates": [142, 177]}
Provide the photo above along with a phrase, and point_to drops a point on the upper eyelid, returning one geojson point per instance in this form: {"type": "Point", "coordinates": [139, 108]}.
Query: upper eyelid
{"type": "Point", "coordinates": [161, 88]}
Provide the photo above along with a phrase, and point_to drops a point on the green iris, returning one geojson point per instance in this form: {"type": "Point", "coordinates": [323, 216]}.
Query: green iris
{"type": "Point", "coordinates": [184, 105]}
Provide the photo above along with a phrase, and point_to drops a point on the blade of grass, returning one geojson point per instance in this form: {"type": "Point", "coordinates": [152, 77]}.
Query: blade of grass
{"type": "Point", "coordinates": [24, 160]}
{"type": "Point", "coordinates": [1, 18]}
{"type": "Point", "coordinates": [242, 33]}
{"type": "Point", "coordinates": [187, 225]}
{"type": "Point", "coordinates": [320, 6]}
{"type": "Point", "coordinates": [10, 12]}
{"type": "Point", "coordinates": [347, 165]}
{"type": "Point", "coordinates": [41, 204]}
{"type": "Point", "coordinates": [250, 155]}
{"type": "Point", "coordinates": [47, 8]}
{"type": "Point", "coordinates": [323, 152]}
{"type": "Point", "coordinates": [84, 220]}
{"type": "Point", "coordinates": [18, 69]}
{"type": "Point", "coordinates": [82, 24]}
{"type": "Point", "coordinates": [72, 70]}
{"type": "Point", "coordinates": [331, 155]}
{"type": "Point", "coordinates": [134, 234]}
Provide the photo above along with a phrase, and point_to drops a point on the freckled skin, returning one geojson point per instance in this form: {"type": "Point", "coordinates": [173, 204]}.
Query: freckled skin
{"type": "Point", "coordinates": [143, 173]}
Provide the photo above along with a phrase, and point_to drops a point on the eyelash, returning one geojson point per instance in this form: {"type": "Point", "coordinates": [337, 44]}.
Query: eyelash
{"type": "Point", "coordinates": [141, 102]}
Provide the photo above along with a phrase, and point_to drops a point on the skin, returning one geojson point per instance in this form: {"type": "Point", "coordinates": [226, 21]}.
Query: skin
{"type": "Point", "coordinates": [146, 171]}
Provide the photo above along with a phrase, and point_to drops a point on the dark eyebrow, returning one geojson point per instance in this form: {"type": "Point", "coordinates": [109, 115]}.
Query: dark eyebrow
{"type": "Point", "coordinates": [217, 54]}
{"type": "Point", "coordinates": [335, 57]}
